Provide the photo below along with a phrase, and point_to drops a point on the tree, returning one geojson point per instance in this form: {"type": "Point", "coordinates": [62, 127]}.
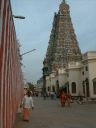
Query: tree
{"type": "Point", "coordinates": [31, 86]}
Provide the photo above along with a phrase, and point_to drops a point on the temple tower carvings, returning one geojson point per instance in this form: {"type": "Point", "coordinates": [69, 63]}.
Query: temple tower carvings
{"type": "Point", "coordinates": [63, 45]}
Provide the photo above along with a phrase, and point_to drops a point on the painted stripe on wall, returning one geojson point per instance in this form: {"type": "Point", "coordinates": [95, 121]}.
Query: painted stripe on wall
{"type": "Point", "coordinates": [2, 61]}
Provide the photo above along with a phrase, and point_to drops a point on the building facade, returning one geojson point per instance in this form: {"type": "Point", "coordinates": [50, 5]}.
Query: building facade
{"type": "Point", "coordinates": [89, 74]}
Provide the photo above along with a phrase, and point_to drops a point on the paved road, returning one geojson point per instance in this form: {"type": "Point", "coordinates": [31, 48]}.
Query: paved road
{"type": "Point", "coordinates": [49, 114]}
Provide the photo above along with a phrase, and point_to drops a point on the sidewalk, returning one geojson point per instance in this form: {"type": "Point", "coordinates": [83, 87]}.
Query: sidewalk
{"type": "Point", "coordinates": [49, 114]}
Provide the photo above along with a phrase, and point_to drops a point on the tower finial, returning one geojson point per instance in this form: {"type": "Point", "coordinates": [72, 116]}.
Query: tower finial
{"type": "Point", "coordinates": [63, 1]}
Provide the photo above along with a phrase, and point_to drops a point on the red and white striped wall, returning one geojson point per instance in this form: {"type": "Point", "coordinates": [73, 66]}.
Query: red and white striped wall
{"type": "Point", "coordinates": [11, 79]}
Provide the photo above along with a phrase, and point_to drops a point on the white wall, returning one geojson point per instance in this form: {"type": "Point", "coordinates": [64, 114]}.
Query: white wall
{"type": "Point", "coordinates": [75, 76]}
{"type": "Point", "coordinates": [92, 75]}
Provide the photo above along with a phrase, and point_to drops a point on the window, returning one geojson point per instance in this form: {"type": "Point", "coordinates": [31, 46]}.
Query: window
{"type": "Point", "coordinates": [48, 88]}
{"type": "Point", "coordinates": [73, 87]}
{"type": "Point", "coordinates": [83, 87]}
{"type": "Point", "coordinates": [86, 68]}
{"type": "Point", "coordinates": [94, 86]}
{"type": "Point", "coordinates": [83, 73]}
{"type": "Point", "coordinates": [53, 88]}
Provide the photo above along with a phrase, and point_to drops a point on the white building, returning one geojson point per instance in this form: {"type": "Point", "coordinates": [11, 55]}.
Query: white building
{"type": "Point", "coordinates": [78, 78]}
{"type": "Point", "coordinates": [89, 73]}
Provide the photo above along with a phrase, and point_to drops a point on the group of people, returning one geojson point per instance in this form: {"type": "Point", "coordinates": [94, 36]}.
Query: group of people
{"type": "Point", "coordinates": [65, 98]}
{"type": "Point", "coordinates": [27, 104]}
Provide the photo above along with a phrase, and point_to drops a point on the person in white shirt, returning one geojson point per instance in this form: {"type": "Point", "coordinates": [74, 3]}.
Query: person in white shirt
{"type": "Point", "coordinates": [27, 105]}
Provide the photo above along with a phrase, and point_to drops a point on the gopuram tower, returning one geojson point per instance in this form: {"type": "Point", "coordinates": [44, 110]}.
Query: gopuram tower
{"type": "Point", "coordinates": [65, 68]}
{"type": "Point", "coordinates": [63, 45]}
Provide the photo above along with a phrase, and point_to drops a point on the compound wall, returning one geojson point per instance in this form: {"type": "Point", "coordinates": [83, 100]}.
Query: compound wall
{"type": "Point", "coordinates": [11, 80]}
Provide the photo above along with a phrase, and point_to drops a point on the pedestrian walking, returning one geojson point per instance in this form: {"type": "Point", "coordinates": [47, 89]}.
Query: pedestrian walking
{"type": "Point", "coordinates": [27, 105]}
{"type": "Point", "coordinates": [44, 95]}
{"type": "Point", "coordinates": [62, 98]}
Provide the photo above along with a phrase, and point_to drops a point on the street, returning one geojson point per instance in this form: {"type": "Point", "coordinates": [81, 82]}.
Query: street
{"type": "Point", "coordinates": [49, 114]}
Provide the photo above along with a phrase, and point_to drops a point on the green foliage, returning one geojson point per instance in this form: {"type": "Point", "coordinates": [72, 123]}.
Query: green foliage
{"type": "Point", "coordinates": [31, 86]}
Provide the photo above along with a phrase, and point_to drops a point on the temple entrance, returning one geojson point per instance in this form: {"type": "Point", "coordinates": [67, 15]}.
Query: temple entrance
{"type": "Point", "coordinates": [57, 85]}
{"type": "Point", "coordinates": [57, 88]}
{"type": "Point", "coordinates": [87, 88]}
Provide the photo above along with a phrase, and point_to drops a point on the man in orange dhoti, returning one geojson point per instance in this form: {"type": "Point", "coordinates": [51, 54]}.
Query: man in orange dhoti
{"type": "Point", "coordinates": [27, 104]}
{"type": "Point", "coordinates": [26, 114]}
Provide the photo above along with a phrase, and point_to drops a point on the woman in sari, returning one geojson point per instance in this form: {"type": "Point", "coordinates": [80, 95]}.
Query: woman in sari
{"type": "Point", "coordinates": [27, 105]}
{"type": "Point", "coordinates": [62, 98]}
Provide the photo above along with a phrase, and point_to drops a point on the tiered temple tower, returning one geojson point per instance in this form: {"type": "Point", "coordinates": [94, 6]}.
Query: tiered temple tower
{"type": "Point", "coordinates": [64, 64]}
{"type": "Point", "coordinates": [63, 46]}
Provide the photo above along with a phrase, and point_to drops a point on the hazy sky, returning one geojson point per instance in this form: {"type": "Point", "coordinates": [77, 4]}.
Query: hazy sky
{"type": "Point", "coordinates": [34, 31]}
